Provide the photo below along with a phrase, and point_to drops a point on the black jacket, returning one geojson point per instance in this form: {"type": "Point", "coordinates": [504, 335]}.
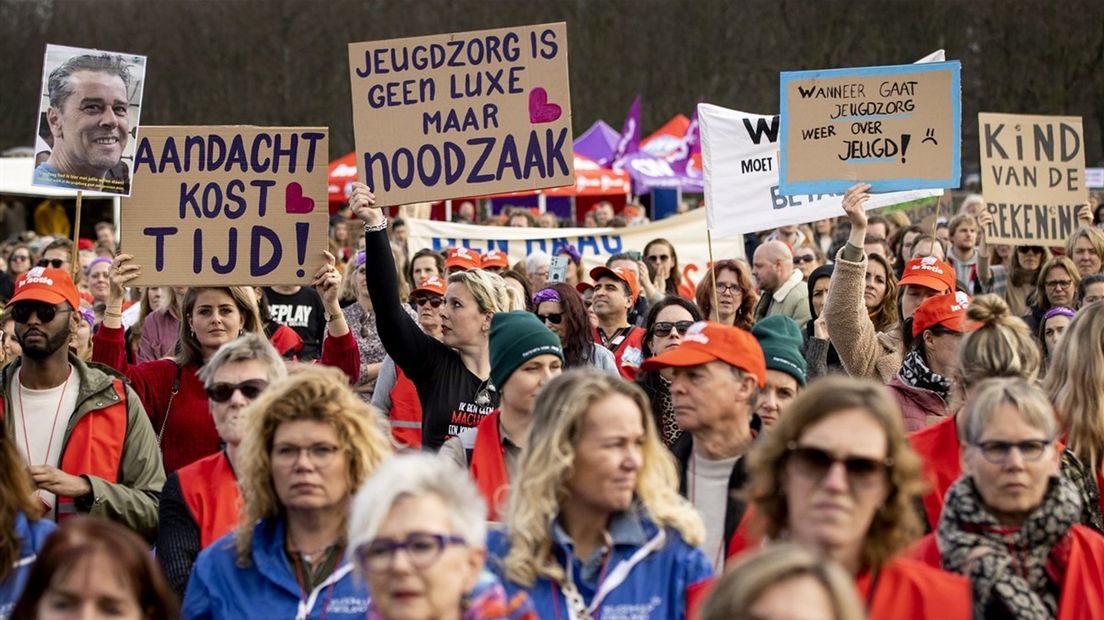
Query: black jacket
{"type": "Point", "coordinates": [736, 505]}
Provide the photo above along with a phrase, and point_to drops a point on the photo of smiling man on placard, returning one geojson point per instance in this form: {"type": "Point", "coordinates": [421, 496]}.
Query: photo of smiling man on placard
{"type": "Point", "coordinates": [88, 119]}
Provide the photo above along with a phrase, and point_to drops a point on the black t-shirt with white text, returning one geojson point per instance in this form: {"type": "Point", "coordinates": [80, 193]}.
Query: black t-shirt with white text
{"type": "Point", "coordinates": [303, 312]}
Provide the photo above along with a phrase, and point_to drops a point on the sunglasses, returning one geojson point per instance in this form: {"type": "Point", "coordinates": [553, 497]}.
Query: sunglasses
{"type": "Point", "coordinates": [19, 257]}
{"type": "Point", "coordinates": [433, 301]}
{"type": "Point", "coordinates": [56, 263]}
{"type": "Point", "coordinates": [222, 392]}
{"type": "Point", "coordinates": [1029, 249]}
{"type": "Point", "coordinates": [664, 328]}
{"type": "Point", "coordinates": [814, 464]}
{"type": "Point", "coordinates": [22, 312]}
{"type": "Point", "coordinates": [554, 318]}
{"type": "Point", "coordinates": [658, 258]}
{"type": "Point", "coordinates": [804, 258]}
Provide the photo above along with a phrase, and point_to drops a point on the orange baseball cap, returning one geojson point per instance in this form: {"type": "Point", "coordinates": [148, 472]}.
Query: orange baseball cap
{"type": "Point", "coordinates": [432, 285]}
{"type": "Point", "coordinates": [706, 342]}
{"type": "Point", "coordinates": [618, 273]}
{"type": "Point", "coordinates": [948, 310]}
{"type": "Point", "coordinates": [47, 285]}
{"type": "Point", "coordinates": [462, 258]}
{"type": "Point", "coordinates": [928, 272]}
{"type": "Point", "coordinates": [495, 258]}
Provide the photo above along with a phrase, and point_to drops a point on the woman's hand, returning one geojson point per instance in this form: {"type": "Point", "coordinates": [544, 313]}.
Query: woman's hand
{"type": "Point", "coordinates": [1085, 214]}
{"type": "Point", "coordinates": [854, 206]}
{"type": "Point", "coordinates": [362, 201]}
{"type": "Point", "coordinates": [820, 327]}
{"type": "Point", "coordinates": [327, 281]}
{"type": "Point", "coordinates": [123, 272]}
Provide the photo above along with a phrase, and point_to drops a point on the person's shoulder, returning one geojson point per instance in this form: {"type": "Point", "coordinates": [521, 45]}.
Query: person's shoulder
{"type": "Point", "coordinates": [920, 574]}
{"type": "Point", "coordinates": [498, 543]}
{"type": "Point", "coordinates": [220, 557]}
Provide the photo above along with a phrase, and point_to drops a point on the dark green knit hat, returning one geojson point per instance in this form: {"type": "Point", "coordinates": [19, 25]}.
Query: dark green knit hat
{"type": "Point", "coordinates": [517, 337]}
{"type": "Point", "coordinates": [781, 341]}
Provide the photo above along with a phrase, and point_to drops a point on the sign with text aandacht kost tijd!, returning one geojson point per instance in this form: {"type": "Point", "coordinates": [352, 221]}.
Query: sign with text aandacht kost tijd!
{"type": "Point", "coordinates": [462, 114]}
{"type": "Point", "coordinates": [1032, 176]}
{"type": "Point", "coordinates": [228, 205]}
{"type": "Point", "coordinates": [895, 127]}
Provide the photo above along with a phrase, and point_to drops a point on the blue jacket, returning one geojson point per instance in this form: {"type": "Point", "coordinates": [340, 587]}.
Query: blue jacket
{"type": "Point", "coordinates": [651, 573]}
{"type": "Point", "coordinates": [267, 588]}
{"type": "Point", "coordinates": [31, 538]}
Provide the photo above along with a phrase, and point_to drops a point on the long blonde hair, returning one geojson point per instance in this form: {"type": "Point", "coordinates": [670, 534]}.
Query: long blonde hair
{"type": "Point", "coordinates": [1001, 346]}
{"type": "Point", "coordinates": [1074, 381]}
{"type": "Point", "coordinates": [311, 392]}
{"type": "Point", "coordinates": [547, 464]}
{"type": "Point", "coordinates": [490, 291]}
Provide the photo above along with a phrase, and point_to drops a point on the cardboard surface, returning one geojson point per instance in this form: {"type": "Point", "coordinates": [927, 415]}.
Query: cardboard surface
{"type": "Point", "coordinates": [87, 140]}
{"type": "Point", "coordinates": [462, 114]}
{"type": "Point", "coordinates": [1032, 176]}
{"type": "Point", "coordinates": [895, 127]}
{"type": "Point", "coordinates": [228, 205]}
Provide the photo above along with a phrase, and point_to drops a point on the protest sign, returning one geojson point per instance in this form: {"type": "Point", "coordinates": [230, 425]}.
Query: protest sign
{"type": "Point", "coordinates": [226, 206]}
{"type": "Point", "coordinates": [463, 114]}
{"type": "Point", "coordinates": [1033, 176]}
{"type": "Point", "coordinates": [894, 127]}
{"type": "Point", "coordinates": [87, 122]}
{"type": "Point", "coordinates": [595, 245]}
{"type": "Point", "coordinates": [741, 177]}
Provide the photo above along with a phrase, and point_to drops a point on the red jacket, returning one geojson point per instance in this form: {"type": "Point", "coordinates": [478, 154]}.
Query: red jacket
{"type": "Point", "coordinates": [406, 411]}
{"type": "Point", "coordinates": [938, 448]}
{"type": "Point", "coordinates": [905, 589]}
{"type": "Point", "coordinates": [916, 404]}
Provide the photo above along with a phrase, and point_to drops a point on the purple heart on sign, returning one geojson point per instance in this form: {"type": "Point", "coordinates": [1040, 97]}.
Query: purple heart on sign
{"type": "Point", "coordinates": [540, 111]}
{"type": "Point", "coordinates": [295, 201]}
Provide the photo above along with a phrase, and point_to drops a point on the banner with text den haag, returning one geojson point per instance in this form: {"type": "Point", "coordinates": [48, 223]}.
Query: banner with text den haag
{"type": "Point", "coordinates": [894, 127]}
{"type": "Point", "coordinates": [228, 205]}
{"type": "Point", "coordinates": [1032, 176]}
{"type": "Point", "coordinates": [463, 114]}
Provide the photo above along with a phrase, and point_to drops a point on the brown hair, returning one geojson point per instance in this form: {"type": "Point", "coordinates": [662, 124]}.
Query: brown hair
{"type": "Point", "coordinates": [1057, 262]}
{"type": "Point", "coordinates": [16, 496]}
{"type": "Point", "coordinates": [1000, 347]}
{"type": "Point", "coordinates": [676, 275]}
{"type": "Point", "coordinates": [1073, 385]}
{"type": "Point", "coordinates": [83, 537]}
{"type": "Point", "coordinates": [745, 314]}
{"type": "Point", "coordinates": [246, 301]}
{"type": "Point", "coordinates": [896, 524]}
{"type": "Point", "coordinates": [885, 316]}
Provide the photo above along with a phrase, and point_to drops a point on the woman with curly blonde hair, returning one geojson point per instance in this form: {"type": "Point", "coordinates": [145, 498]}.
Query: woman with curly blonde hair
{"type": "Point", "coordinates": [595, 521]}
{"type": "Point", "coordinates": [309, 444]}
{"type": "Point", "coordinates": [836, 474]}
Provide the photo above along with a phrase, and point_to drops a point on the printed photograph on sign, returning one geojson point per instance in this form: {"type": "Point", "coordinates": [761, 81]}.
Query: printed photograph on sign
{"type": "Point", "coordinates": [228, 206]}
{"type": "Point", "coordinates": [462, 114]}
{"type": "Point", "coordinates": [1032, 176]}
{"type": "Point", "coordinates": [87, 125]}
{"type": "Point", "coordinates": [894, 127]}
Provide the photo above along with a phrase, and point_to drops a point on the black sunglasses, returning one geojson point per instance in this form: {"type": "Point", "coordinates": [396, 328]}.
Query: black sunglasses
{"type": "Point", "coordinates": [554, 318]}
{"type": "Point", "coordinates": [56, 263]}
{"type": "Point", "coordinates": [433, 301]}
{"type": "Point", "coordinates": [222, 392]}
{"type": "Point", "coordinates": [664, 328]}
{"type": "Point", "coordinates": [814, 463]}
{"type": "Point", "coordinates": [803, 258]}
{"type": "Point", "coordinates": [1029, 249]}
{"type": "Point", "coordinates": [22, 312]}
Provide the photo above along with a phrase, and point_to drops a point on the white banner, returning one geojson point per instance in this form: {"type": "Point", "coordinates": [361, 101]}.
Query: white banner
{"type": "Point", "coordinates": [686, 233]}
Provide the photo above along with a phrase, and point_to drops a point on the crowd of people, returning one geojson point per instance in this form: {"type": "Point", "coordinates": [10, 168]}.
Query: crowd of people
{"type": "Point", "coordinates": [859, 420]}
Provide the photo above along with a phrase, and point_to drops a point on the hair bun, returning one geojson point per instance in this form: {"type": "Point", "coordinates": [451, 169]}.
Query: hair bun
{"type": "Point", "coordinates": [989, 310]}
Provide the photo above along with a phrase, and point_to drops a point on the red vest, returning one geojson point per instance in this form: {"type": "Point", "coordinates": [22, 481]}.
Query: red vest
{"type": "Point", "coordinates": [631, 344]}
{"type": "Point", "coordinates": [406, 412]}
{"type": "Point", "coordinates": [488, 465]}
{"type": "Point", "coordinates": [210, 489]}
{"type": "Point", "coordinates": [95, 447]}
{"type": "Point", "coordinates": [910, 590]}
{"type": "Point", "coordinates": [745, 537]}
{"type": "Point", "coordinates": [938, 448]}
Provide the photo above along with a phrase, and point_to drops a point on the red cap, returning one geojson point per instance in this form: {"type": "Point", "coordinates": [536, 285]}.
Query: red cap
{"type": "Point", "coordinates": [85, 244]}
{"type": "Point", "coordinates": [495, 258]}
{"type": "Point", "coordinates": [47, 285]}
{"type": "Point", "coordinates": [462, 258]}
{"type": "Point", "coordinates": [948, 310]}
{"type": "Point", "coordinates": [928, 272]}
{"type": "Point", "coordinates": [583, 287]}
{"type": "Point", "coordinates": [618, 273]}
{"type": "Point", "coordinates": [432, 285]}
{"type": "Point", "coordinates": [706, 342]}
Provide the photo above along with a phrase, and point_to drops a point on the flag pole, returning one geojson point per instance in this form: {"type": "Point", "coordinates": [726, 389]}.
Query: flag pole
{"type": "Point", "coordinates": [75, 262]}
{"type": "Point", "coordinates": [713, 273]}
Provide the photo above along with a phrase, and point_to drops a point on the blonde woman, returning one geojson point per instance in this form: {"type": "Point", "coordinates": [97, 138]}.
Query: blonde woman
{"type": "Point", "coordinates": [452, 375]}
{"type": "Point", "coordinates": [309, 444]}
{"type": "Point", "coordinates": [595, 525]}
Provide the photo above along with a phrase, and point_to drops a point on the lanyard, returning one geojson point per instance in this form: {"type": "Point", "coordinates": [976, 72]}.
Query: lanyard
{"type": "Point", "coordinates": [301, 579]}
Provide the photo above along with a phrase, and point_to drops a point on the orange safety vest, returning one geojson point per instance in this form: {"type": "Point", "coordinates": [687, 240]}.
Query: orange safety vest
{"type": "Point", "coordinates": [210, 490]}
{"type": "Point", "coordinates": [406, 411]}
{"type": "Point", "coordinates": [95, 447]}
{"type": "Point", "coordinates": [488, 465]}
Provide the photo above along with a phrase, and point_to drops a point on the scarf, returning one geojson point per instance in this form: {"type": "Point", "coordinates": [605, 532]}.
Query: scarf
{"type": "Point", "coordinates": [1025, 566]}
{"type": "Point", "coordinates": [915, 372]}
{"type": "Point", "coordinates": [665, 412]}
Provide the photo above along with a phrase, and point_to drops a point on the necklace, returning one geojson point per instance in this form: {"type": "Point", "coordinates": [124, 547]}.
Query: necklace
{"type": "Point", "coordinates": [53, 425]}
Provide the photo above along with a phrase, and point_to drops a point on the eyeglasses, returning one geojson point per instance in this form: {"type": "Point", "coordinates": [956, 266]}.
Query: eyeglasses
{"type": "Point", "coordinates": [733, 289]}
{"type": "Point", "coordinates": [803, 258]}
{"type": "Point", "coordinates": [320, 454]}
{"type": "Point", "coordinates": [814, 464]}
{"type": "Point", "coordinates": [22, 312]}
{"type": "Point", "coordinates": [222, 392]}
{"type": "Point", "coordinates": [433, 301]}
{"type": "Point", "coordinates": [56, 263]}
{"type": "Point", "coordinates": [1058, 284]}
{"type": "Point", "coordinates": [422, 549]}
{"type": "Point", "coordinates": [19, 257]}
{"type": "Point", "coordinates": [664, 328]}
{"type": "Point", "coordinates": [658, 258]}
{"type": "Point", "coordinates": [998, 452]}
{"type": "Point", "coordinates": [1029, 249]}
{"type": "Point", "coordinates": [554, 318]}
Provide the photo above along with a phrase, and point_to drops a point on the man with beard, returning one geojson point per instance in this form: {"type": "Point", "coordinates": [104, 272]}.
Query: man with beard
{"type": "Point", "coordinates": [83, 433]}
{"type": "Point", "coordinates": [89, 122]}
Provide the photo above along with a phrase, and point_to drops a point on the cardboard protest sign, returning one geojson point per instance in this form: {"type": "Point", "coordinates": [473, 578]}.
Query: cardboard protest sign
{"type": "Point", "coordinates": [87, 123]}
{"type": "Point", "coordinates": [895, 127]}
{"type": "Point", "coordinates": [228, 206]}
{"type": "Point", "coordinates": [1033, 176]}
{"type": "Point", "coordinates": [463, 114]}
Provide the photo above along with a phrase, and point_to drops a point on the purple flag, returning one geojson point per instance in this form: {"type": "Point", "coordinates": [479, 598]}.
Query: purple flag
{"type": "Point", "coordinates": [598, 143]}
{"type": "Point", "coordinates": [683, 159]}
{"type": "Point", "coordinates": [629, 142]}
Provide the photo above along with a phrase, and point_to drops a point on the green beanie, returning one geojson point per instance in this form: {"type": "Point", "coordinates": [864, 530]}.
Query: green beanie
{"type": "Point", "coordinates": [517, 337]}
{"type": "Point", "coordinates": [781, 341]}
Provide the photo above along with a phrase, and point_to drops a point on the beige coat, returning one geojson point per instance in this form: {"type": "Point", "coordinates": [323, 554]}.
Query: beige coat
{"type": "Point", "coordinates": [863, 351]}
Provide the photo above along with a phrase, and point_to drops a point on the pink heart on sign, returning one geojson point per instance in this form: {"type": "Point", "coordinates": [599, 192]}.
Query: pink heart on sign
{"type": "Point", "coordinates": [540, 111]}
{"type": "Point", "coordinates": [295, 201]}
